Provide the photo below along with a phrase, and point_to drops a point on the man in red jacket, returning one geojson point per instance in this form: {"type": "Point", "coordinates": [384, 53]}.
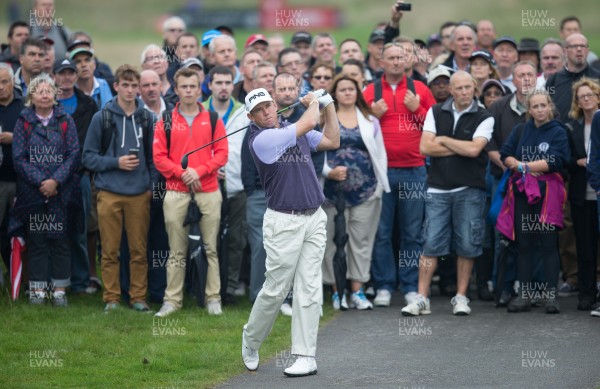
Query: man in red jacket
{"type": "Point", "coordinates": [401, 112]}
{"type": "Point", "coordinates": [190, 129]}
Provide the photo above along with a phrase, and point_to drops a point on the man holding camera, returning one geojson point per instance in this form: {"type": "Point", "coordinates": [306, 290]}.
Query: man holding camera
{"type": "Point", "coordinates": [294, 223]}
{"type": "Point", "coordinates": [118, 148]}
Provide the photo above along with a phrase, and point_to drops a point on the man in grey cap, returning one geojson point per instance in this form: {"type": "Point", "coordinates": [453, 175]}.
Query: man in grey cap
{"type": "Point", "coordinates": [374, 49]}
{"type": "Point", "coordinates": [301, 41]}
{"type": "Point", "coordinates": [506, 56]}
{"type": "Point", "coordinates": [438, 80]}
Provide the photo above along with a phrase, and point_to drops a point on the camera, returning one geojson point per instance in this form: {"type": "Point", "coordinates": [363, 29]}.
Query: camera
{"type": "Point", "coordinates": [403, 7]}
{"type": "Point", "coordinates": [134, 152]}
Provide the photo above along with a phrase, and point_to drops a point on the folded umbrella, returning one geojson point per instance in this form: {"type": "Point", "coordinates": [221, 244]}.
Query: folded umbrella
{"type": "Point", "coordinates": [340, 238]}
{"type": "Point", "coordinates": [16, 266]}
{"type": "Point", "coordinates": [197, 262]}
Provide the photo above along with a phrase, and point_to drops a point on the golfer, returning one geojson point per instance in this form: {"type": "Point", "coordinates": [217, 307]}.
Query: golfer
{"type": "Point", "coordinates": [294, 223]}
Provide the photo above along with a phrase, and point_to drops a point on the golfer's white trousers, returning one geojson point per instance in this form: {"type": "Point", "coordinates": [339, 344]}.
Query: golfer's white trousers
{"type": "Point", "coordinates": [295, 246]}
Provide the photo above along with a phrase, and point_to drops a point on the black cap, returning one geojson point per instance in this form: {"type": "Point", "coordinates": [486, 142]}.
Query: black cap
{"type": "Point", "coordinates": [528, 44]}
{"type": "Point", "coordinates": [63, 64]}
{"type": "Point", "coordinates": [483, 54]}
{"type": "Point", "coordinates": [433, 38]}
{"type": "Point", "coordinates": [377, 35]}
{"type": "Point", "coordinates": [224, 28]}
{"type": "Point", "coordinates": [78, 42]}
{"type": "Point", "coordinates": [301, 36]}
{"type": "Point", "coordinates": [505, 39]}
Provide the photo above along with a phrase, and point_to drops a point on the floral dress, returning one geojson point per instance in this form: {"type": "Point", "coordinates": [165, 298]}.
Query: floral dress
{"type": "Point", "coordinates": [360, 182]}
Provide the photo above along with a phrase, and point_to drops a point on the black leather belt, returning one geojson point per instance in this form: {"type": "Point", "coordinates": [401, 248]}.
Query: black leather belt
{"type": "Point", "coordinates": [303, 212]}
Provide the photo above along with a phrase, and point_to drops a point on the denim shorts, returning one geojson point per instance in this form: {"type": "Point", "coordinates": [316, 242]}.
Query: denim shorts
{"type": "Point", "coordinates": [454, 222]}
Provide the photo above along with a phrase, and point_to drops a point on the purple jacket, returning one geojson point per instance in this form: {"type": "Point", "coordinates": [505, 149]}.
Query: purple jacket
{"type": "Point", "coordinates": [553, 200]}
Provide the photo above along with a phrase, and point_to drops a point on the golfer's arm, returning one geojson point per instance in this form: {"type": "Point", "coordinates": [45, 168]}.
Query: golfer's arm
{"type": "Point", "coordinates": [309, 119]}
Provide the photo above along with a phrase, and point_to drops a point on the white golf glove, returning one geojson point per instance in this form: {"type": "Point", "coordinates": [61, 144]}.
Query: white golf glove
{"type": "Point", "coordinates": [325, 100]}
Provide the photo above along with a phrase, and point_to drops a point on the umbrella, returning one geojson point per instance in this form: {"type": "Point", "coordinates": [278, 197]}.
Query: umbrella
{"type": "Point", "coordinates": [340, 238]}
{"type": "Point", "coordinates": [197, 263]}
{"type": "Point", "coordinates": [222, 241]}
{"type": "Point", "coordinates": [16, 266]}
{"type": "Point", "coordinates": [505, 250]}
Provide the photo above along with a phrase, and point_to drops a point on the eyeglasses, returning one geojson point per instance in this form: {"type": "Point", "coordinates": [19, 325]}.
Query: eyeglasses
{"type": "Point", "coordinates": [492, 93]}
{"type": "Point", "coordinates": [326, 78]}
{"type": "Point", "coordinates": [295, 63]}
{"type": "Point", "coordinates": [175, 30]}
{"type": "Point", "coordinates": [575, 47]}
{"type": "Point", "coordinates": [440, 81]}
{"type": "Point", "coordinates": [154, 58]}
{"type": "Point", "coordinates": [587, 96]}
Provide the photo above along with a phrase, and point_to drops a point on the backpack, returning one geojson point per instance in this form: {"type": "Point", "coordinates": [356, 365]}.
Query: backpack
{"type": "Point", "coordinates": [62, 124]}
{"type": "Point", "coordinates": [377, 85]}
{"type": "Point", "coordinates": [108, 129]}
{"type": "Point", "coordinates": [167, 117]}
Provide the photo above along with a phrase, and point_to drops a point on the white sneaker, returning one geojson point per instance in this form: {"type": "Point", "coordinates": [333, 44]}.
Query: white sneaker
{"type": "Point", "coordinates": [241, 290]}
{"type": "Point", "coordinates": [383, 298]}
{"type": "Point", "coordinates": [166, 310]}
{"type": "Point", "coordinates": [411, 297]}
{"type": "Point", "coordinates": [302, 367]}
{"type": "Point", "coordinates": [420, 306]}
{"type": "Point", "coordinates": [337, 304]}
{"type": "Point", "coordinates": [249, 355]}
{"type": "Point", "coordinates": [461, 305]}
{"type": "Point", "coordinates": [359, 301]}
{"type": "Point", "coordinates": [344, 304]}
{"type": "Point", "coordinates": [286, 309]}
{"type": "Point", "coordinates": [214, 307]}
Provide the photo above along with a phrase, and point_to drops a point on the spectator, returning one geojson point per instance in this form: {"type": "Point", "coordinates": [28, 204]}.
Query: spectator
{"type": "Point", "coordinates": [123, 168]}
{"type": "Point", "coordinates": [46, 156]}
{"type": "Point", "coordinates": [438, 81]}
{"type": "Point", "coordinates": [11, 105]}
{"type": "Point", "coordinates": [486, 34]}
{"type": "Point", "coordinates": [276, 44]}
{"type": "Point", "coordinates": [372, 61]}
{"type": "Point", "coordinates": [83, 39]}
{"type": "Point", "coordinates": [536, 154]}
{"type": "Point", "coordinates": [483, 67]}
{"type": "Point", "coordinates": [552, 60]}
{"type": "Point", "coordinates": [454, 137]}
{"type": "Point", "coordinates": [33, 52]}
{"type": "Point", "coordinates": [350, 48]}
{"type": "Point", "coordinates": [201, 177]}
{"type": "Point", "coordinates": [321, 76]}
{"type": "Point", "coordinates": [18, 32]}
{"type": "Point", "coordinates": [302, 41]}
{"type": "Point", "coordinates": [290, 61]}
{"type": "Point", "coordinates": [259, 43]}
{"type": "Point", "coordinates": [222, 49]}
{"type": "Point", "coordinates": [446, 30]}
{"type": "Point", "coordinates": [50, 56]}
{"type": "Point", "coordinates": [150, 93]}
{"type": "Point", "coordinates": [250, 59]}
{"type": "Point", "coordinates": [96, 88]}
{"type": "Point", "coordinates": [401, 113]}
{"type": "Point", "coordinates": [434, 44]}
{"type": "Point", "coordinates": [44, 21]}
{"type": "Point", "coordinates": [491, 91]}
{"type": "Point", "coordinates": [583, 198]}
{"type": "Point", "coordinates": [208, 60]}
{"type": "Point", "coordinates": [529, 50]}
{"type": "Point", "coordinates": [323, 49]}
{"type": "Point", "coordinates": [172, 28]}
{"type": "Point", "coordinates": [154, 58]}
{"type": "Point", "coordinates": [506, 56]}
{"type": "Point", "coordinates": [463, 43]}
{"type": "Point", "coordinates": [355, 69]}
{"type": "Point", "coordinates": [412, 54]}
{"type": "Point", "coordinates": [358, 172]}
{"type": "Point", "coordinates": [221, 87]}
{"type": "Point", "coordinates": [572, 25]}
{"type": "Point", "coordinates": [81, 108]}
{"type": "Point", "coordinates": [186, 47]}
{"type": "Point", "coordinates": [594, 171]}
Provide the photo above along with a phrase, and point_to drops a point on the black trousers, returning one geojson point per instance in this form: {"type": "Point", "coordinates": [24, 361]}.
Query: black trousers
{"type": "Point", "coordinates": [585, 223]}
{"type": "Point", "coordinates": [48, 259]}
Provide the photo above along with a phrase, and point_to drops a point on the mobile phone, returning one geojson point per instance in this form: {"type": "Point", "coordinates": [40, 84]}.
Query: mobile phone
{"type": "Point", "coordinates": [134, 152]}
{"type": "Point", "coordinates": [403, 7]}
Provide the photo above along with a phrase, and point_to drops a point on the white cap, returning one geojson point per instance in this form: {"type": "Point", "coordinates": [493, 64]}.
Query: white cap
{"type": "Point", "coordinates": [255, 97]}
{"type": "Point", "coordinates": [438, 71]}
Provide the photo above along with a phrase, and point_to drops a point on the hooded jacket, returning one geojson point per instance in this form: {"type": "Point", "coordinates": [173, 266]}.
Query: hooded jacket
{"type": "Point", "coordinates": [127, 134]}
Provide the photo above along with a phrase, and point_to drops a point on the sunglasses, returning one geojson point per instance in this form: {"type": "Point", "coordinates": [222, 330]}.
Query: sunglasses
{"type": "Point", "coordinates": [326, 78]}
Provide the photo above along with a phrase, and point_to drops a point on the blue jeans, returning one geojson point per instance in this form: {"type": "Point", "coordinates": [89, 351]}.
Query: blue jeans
{"type": "Point", "coordinates": [256, 206]}
{"type": "Point", "coordinates": [80, 265]}
{"type": "Point", "coordinates": [406, 201]}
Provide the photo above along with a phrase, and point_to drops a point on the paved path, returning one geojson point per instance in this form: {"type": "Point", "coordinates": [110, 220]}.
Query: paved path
{"type": "Point", "coordinates": [489, 349]}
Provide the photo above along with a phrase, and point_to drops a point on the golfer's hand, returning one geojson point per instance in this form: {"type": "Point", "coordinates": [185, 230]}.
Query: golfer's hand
{"type": "Point", "coordinates": [338, 173]}
{"type": "Point", "coordinates": [128, 162]}
{"type": "Point", "coordinates": [310, 96]}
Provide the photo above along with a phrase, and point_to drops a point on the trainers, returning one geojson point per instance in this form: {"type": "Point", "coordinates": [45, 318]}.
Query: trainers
{"type": "Point", "coordinates": [240, 290]}
{"type": "Point", "coordinates": [111, 306]}
{"type": "Point", "coordinates": [302, 367]}
{"type": "Point", "coordinates": [519, 304]}
{"type": "Point", "coordinates": [411, 297]}
{"type": "Point", "coordinates": [552, 304]}
{"type": "Point", "coordinates": [567, 290]}
{"type": "Point", "coordinates": [59, 299]}
{"type": "Point", "coordinates": [140, 306]}
{"type": "Point", "coordinates": [37, 297]}
{"type": "Point", "coordinates": [359, 301]}
{"type": "Point", "coordinates": [286, 309]}
{"type": "Point", "coordinates": [337, 304]}
{"type": "Point", "coordinates": [461, 305]}
{"type": "Point", "coordinates": [596, 312]}
{"type": "Point", "coordinates": [249, 355]}
{"type": "Point", "coordinates": [383, 298]}
{"type": "Point", "coordinates": [214, 307]}
{"type": "Point", "coordinates": [418, 307]}
{"type": "Point", "coordinates": [166, 310]}
{"type": "Point", "coordinates": [94, 285]}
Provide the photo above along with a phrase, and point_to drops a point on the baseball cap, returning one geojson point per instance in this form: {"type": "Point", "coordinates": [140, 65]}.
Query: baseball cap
{"type": "Point", "coordinates": [483, 54]}
{"type": "Point", "coordinates": [505, 39]}
{"type": "Point", "coordinates": [438, 71]}
{"type": "Point", "coordinates": [528, 44]}
{"type": "Point", "coordinates": [80, 50]}
{"type": "Point", "coordinates": [63, 64]}
{"type": "Point", "coordinates": [225, 30]}
{"type": "Point", "coordinates": [191, 62]}
{"type": "Point", "coordinates": [45, 39]}
{"type": "Point", "coordinates": [255, 97]}
{"type": "Point", "coordinates": [209, 35]}
{"type": "Point", "coordinates": [78, 42]}
{"type": "Point", "coordinates": [433, 38]}
{"type": "Point", "coordinates": [493, 82]}
{"type": "Point", "coordinates": [252, 39]}
{"type": "Point", "coordinates": [377, 35]}
{"type": "Point", "coordinates": [301, 36]}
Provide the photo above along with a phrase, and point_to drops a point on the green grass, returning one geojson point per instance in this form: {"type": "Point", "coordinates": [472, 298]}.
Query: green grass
{"type": "Point", "coordinates": [85, 348]}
